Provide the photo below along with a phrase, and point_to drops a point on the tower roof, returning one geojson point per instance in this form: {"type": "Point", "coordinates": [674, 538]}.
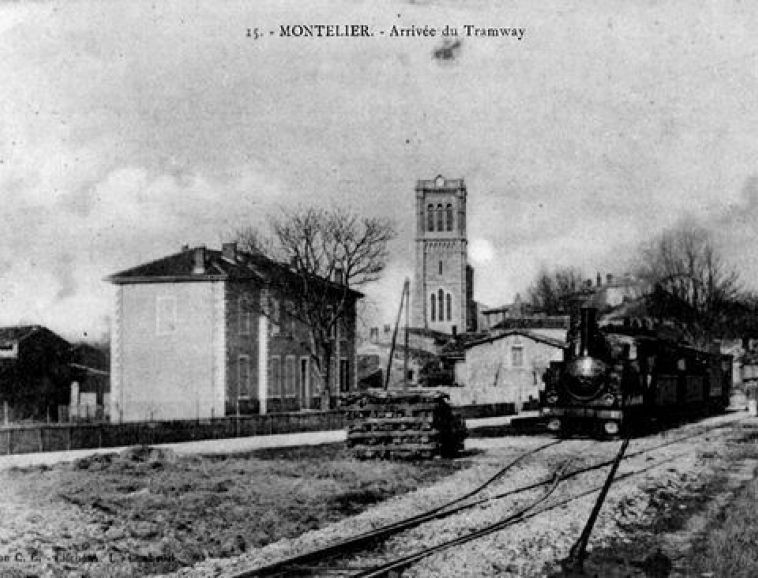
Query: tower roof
{"type": "Point", "coordinates": [440, 183]}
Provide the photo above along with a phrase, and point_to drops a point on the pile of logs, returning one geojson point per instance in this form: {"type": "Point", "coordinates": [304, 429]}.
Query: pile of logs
{"type": "Point", "coordinates": [403, 425]}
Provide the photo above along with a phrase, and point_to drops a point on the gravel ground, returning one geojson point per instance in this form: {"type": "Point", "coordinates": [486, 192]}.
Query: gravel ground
{"type": "Point", "coordinates": [533, 547]}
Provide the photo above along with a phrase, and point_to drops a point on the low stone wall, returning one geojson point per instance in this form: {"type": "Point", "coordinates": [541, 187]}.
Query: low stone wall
{"type": "Point", "coordinates": [465, 396]}
{"type": "Point", "coordinates": [62, 437]}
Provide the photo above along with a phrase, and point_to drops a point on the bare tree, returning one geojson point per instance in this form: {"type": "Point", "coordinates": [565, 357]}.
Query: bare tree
{"type": "Point", "coordinates": [691, 284]}
{"type": "Point", "coordinates": [552, 291]}
{"type": "Point", "coordinates": [324, 256]}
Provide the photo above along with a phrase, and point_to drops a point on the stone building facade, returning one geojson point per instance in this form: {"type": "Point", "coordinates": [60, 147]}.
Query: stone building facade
{"type": "Point", "coordinates": [201, 334]}
{"type": "Point", "coordinates": [443, 284]}
{"type": "Point", "coordinates": [508, 367]}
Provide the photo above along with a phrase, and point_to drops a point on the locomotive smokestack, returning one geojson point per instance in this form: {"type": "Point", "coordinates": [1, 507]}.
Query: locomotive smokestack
{"type": "Point", "coordinates": [587, 328]}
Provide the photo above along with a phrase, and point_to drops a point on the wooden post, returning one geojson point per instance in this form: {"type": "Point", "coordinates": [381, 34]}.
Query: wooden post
{"type": "Point", "coordinates": [5, 412]}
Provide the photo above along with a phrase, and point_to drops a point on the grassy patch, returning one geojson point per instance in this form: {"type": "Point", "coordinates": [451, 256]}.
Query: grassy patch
{"type": "Point", "coordinates": [729, 546]}
{"type": "Point", "coordinates": [188, 509]}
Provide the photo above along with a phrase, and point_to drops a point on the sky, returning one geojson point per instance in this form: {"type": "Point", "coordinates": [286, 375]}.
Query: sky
{"type": "Point", "coordinates": [128, 129]}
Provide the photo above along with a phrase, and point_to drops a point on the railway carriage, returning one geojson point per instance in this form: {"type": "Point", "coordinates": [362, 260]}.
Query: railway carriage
{"type": "Point", "coordinates": [614, 379]}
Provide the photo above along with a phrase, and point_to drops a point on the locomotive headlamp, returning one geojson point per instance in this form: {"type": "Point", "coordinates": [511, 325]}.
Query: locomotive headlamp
{"type": "Point", "coordinates": [586, 378]}
{"type": "Point", "coordinates": [587, 367]}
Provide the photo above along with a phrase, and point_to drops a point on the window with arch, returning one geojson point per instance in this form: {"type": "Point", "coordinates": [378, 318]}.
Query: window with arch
{"type": "Point", "coordinates": [430, 218]}
{"type": "Point", "coordinates": [449, 306]}
{"type": "Point", "coordinates": [449, 216]}
{"type": "Point", "coordinates": [441, 301]}
{"type": "Point", "coordinates": [433, 308]}
{"type": "Point", "coordinates": [440, 218]}
{"type": "Point", "coordinates": [440, 267]}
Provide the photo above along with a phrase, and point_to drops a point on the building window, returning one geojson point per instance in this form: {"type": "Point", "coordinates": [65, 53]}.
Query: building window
{"type": "Point", "coordinates": [274, 316]}
{"type": "Point", "coordinates": [243, 375]}
{"type": "Point", "coordinates": [449, 216]}
{"type": "Point", "coordinates": [344, 375]}
{"type": "Point", "coordinates": [289, 377]}
{"type": "Point", "coordinates": [517, 356]}
{"type": "Point", "coordinates": [434, 308]}
{"type": "Point", "coordinates": [165, 315]}
{"type": "Point", "coordinates": [430, 218]}
{"type": "Point", "coordinates": [449, 307]}
{"type": "Point", "coordinates": [441, 301]}
{"type": "Point", "coordinates": [275, 376]}
{"type": "Point", "coordinates": [244, 315]}
{"type": "Point", "coordinates": [440, 264]}
{"type": "Point", "coordinates": [440, 218]}
{"type": "Point", "coordinates": [304, 375]}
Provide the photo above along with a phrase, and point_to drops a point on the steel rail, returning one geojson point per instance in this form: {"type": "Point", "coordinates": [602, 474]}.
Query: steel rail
{"type": "Point", "coordinates": [391, 568]}
{"type": "Point", "coordinates": [361, 541]}
{"type": "Point", "coordinates": [364, 540]}
{"type": "Point", "coordinates": [401, 563]}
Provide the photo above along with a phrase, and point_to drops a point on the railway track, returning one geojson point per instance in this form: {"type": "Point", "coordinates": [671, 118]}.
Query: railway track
{"type": "Point", "coordinates": [302, 563]}
{"type": "Point", "coordinates": [312, 562]}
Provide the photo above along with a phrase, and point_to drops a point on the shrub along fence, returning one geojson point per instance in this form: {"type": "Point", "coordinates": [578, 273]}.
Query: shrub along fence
{"type": "Point", "coordinates": [62, 437]}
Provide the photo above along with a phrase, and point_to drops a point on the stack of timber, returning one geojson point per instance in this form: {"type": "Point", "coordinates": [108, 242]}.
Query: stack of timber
{"type": "Point", "coordinates": [403, 425]}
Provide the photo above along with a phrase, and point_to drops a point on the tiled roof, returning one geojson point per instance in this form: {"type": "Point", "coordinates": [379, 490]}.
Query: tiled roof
{"type": "Point", "coordinates": [524, 332]}
{"type": "Point", "coordinates": [17, 333]}
{"type": "Point", "coordinates": [181, 267]}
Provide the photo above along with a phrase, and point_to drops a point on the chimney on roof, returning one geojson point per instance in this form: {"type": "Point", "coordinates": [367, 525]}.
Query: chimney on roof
{"type": "Point", "coordinates": [185, 248]}
{"type": "Point", "coordinates": [199, 265]}
{"type": "Point", "coordinates": [230, 251]}
{"type": "Point", "coordinates": [599, 279]}
{"type": "Point", "coordinates": [338, 276]}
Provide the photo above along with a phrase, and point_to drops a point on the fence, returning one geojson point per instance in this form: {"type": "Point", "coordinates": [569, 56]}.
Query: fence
{"type": "Point", "coordinates": [22, 439]}
{"type": "Point", "coordinates": [61, 437]}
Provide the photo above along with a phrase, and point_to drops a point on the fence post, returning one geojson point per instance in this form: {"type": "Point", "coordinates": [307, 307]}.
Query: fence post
{"type": "Point", "coordinates": [41, 440]}
{"type": "Point", "coordinates": [5, 412]}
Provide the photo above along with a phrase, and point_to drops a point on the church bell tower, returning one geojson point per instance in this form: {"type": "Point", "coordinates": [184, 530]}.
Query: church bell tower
{"type": "Point", "coordinates": [443, 280]}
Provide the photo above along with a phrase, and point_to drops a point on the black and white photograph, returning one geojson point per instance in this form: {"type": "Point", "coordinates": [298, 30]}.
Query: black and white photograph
{"type": "Point", "coordinates": [421, 288]}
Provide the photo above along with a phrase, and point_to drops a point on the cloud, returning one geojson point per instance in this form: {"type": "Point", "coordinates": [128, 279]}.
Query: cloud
{"type": "Point", "coordinates": [131, 129]}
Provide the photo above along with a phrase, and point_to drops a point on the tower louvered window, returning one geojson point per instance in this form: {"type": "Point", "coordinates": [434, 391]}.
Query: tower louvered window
{"type": "Point", "coordinates": [449, 216]}
{"type": "Point", "coordinates": [449, 307]}
{"type": "Point", "coordinates": [440, 218]}
{"type": "Point", "coordinates": [433, 308]}
{"type": "Point", "coordinates": [441, 300]}
{"type": "Point", "coordinates": [430, 218]}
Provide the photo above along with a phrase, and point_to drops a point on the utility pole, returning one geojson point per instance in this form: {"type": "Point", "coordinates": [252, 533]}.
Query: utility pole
{"type": "Point", "coordinates": [406, 291]}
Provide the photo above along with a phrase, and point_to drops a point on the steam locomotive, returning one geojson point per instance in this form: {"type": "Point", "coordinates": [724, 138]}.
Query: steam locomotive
{"type": "Point", "coordinates": [612, 380]}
